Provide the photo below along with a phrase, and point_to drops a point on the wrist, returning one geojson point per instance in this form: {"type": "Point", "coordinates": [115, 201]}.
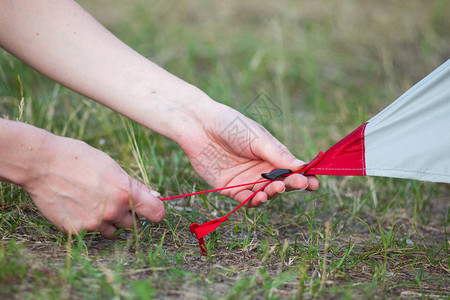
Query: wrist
{"type": "Point", "coordinates": [176, 113]}
{"type": "Point", "coordinates": [21, 151]}
{"type": "Point", "coordinates": [196, 110]}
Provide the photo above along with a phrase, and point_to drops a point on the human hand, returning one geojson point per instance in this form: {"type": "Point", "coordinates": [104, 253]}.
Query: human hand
{"type": "Point", "coordinates": [230, 149]}
{"type": "Point", "coordinates": [77, 187]}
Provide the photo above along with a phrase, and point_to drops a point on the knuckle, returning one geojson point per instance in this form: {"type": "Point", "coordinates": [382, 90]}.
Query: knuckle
{"type": "Point", "coordinates": [138, 184]}
{"type": "Point", "coordinates": [124, 197]}
{"type": "Point", "coordinates": [111, 214]}
{"type": "Point", "coordinates": [123, 194]}
{"type": "Point", "coordinates": [283, 150]}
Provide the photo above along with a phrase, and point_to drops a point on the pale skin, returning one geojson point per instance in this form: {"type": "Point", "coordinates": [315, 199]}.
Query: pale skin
{"type": "Point", "coordinates": [77, 187]}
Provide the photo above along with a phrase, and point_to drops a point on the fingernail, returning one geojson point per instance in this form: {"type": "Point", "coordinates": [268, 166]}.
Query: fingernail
{"type": "Point", "coordinates": [284, 190]}
{"type": "Point", "coordinates": [155, 193]}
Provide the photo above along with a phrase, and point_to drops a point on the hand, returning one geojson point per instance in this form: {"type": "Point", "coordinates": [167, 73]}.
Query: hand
{"type": "Point", "coordinates": [77, 187]}
{"type": "Point", "coordinates": [230, 149]}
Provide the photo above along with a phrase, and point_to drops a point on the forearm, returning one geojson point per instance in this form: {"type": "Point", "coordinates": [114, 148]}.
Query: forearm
{"type": "Point", "coordinates": [62, 41]}
{"type": "Point", "coordinates": [20, 146]}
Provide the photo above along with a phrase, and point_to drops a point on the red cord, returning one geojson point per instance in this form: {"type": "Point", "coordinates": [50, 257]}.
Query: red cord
{"type": "Point", "coordinates": [204, 229]}
{"type": "Point", "coordinates": [213, 190]}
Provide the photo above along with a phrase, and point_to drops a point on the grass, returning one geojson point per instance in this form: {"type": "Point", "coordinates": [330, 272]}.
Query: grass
{"type": "Point", "coordinates": [328, 66]}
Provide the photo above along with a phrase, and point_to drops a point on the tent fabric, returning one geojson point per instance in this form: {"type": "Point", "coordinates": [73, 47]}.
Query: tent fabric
{"type": "Point", "coordinates": [346, 157]}
{"type": "Point", "coordinates": [411, 137]}
{"type": "Point", "coordinates": [408, 139]}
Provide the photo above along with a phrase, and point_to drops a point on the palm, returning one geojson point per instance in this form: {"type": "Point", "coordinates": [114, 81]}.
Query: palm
{"type": "Point", "coordinates": [231, 151]}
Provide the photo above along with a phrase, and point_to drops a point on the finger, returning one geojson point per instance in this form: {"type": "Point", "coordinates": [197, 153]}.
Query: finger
{"type": "Point", "coordinates": [256, 201]}
{"type": "Point", "coordinates": [296, 182]}
{"type": "Point", "coordinates": [107, 231]}
{"type": "Point", "coordinates": [275, 188]}
{"type": "Point", "coordinates": [146, 203]}
{"type": "Point", "coordinates": [128, 221]}
{"type": "Point", "coordinates": [259, 199]}
{"type": "Point", "coordinates": [272, 151]}
{"type": "Point", "coordinates": [272, 190]}
{"type": "Point", "coordinates": [313, 183]}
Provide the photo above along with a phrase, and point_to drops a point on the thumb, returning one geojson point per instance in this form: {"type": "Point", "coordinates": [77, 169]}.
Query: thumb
{"type": "Point", "coordinates": [277, 154]}
{"type": "Point", "coordinates": [146, 202]}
